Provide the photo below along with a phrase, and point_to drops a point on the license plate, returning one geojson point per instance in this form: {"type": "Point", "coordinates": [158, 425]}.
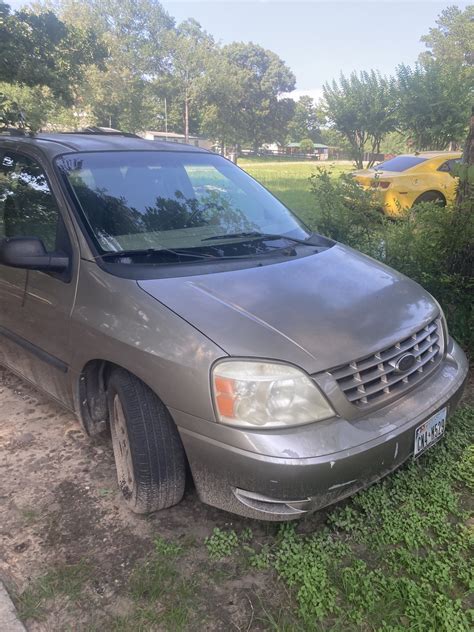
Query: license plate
{"type": "Point", "coordinates": [430, 431]}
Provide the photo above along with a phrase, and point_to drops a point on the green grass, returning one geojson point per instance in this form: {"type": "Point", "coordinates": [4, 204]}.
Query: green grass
{"type": "Point", "coordinates": [289, 181]}
{"type": "Point", "coordinates": [163, 595]}
{"type": "Point", "coordinates": [67, 580]}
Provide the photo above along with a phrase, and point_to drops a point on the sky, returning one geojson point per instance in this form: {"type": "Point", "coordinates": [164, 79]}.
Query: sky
{"type": "Point", "coordinates": [317, 39]}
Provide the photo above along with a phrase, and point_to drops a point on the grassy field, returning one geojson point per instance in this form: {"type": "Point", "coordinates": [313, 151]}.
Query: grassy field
{"type": "Point", "coordinates": [289, 181]}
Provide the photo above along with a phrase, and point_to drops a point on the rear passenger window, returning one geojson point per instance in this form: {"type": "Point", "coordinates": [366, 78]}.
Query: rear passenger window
{"type": "Point", "coordinates": [27, 206]}
{"type": "Point", "coordinates": [449, 164]}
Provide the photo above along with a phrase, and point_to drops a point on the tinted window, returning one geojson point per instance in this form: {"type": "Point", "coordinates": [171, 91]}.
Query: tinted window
{"type": "Point", "coordinates": [162, 200]}
{"type": "Point", "coordinates": [400, 163]}
{"type": "Point", "coordinates": [449, 164]}
{"type": "Point", "coordinates": [27, 206]}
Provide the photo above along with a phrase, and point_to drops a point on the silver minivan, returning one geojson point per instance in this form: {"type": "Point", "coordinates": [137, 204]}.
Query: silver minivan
{"type": "Point", "coordinates": [158, 291]}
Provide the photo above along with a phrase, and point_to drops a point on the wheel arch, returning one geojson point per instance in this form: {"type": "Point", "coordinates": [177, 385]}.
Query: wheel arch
{"type": "Point", "coordinates": [431, 192]}
{"type": "Point", "coordinates": [91, 394]}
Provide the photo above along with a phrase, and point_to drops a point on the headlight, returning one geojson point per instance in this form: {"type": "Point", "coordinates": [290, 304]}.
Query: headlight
{"type": "Point", "coordinates": [266, 395]}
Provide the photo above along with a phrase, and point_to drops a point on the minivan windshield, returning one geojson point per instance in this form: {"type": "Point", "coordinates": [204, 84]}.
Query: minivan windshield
{"type": "Point", "coordinates": [174, 200]}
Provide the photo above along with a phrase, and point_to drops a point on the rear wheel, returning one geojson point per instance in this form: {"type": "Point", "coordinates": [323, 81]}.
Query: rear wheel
{"type": "Point", "coordinates": [431, 196]}
{"type": "Point", "coordinates": [149, 456]}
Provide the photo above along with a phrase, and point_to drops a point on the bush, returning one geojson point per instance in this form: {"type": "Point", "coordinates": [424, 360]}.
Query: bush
{"type": "Point", "coordinates": [345, 211]}
{"type": "Point", "coordinates": [430, 244]}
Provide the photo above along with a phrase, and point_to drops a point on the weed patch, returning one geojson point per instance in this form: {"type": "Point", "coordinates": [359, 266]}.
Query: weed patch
{"type": "Point", "coordinates": [67, 580]}
{"type": "Point", "coordinates": [163, 596]}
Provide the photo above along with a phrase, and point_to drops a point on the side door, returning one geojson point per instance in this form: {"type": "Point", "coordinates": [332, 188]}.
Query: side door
{"type": "Point", "coordinates": [12, 280]}
{"type": "Point", "coordinates": [43, 328]}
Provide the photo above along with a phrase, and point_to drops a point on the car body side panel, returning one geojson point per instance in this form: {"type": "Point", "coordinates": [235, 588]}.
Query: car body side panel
{"type": "Point", "coordinates": [12, 296]}
{"type": "Point", "coordinates": [114, 320]}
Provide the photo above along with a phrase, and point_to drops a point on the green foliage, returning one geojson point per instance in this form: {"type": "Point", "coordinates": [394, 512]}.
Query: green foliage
{"type": "Point", "coordinates": [466, 467]}
{"type": "Point", "coordinates": [67, 580]}
{"type": "Point", "coordinates": [362, 107]}
{"type": "Point", "coordinates": [307, 145]}
{"type": "Point", "coordinates": [345, 211]}
{"type": "Point", "coordinates": [450, 42]}
{"type": "Point", "coordinates": [38, 106]}
{"type": "Point", "coordinates": [167, 548]}
{"type": "Point", "coordinates": [331, 137]}
{"type": "Point", "coordinates": [430, 244]}
{"type": "Point", "coordinates": [221, 543]}
{"type": "Point", "coordinates": [434, 103]}
{"type": "Point", "coordinates": [262, 115]}
{"type": "Point", "coordinates": [306, 121]}
{"type": "Point", "coordinates": [190, 51]}
{"type": "Point", "coordinates": [123, 92]}
{"type": "Point", "coordinates": [38, 49]}
{"type": "Point", "coordinates": [163, 594]}
{"type": "Point", "coordinates": [41, 59]}
{"type": "Point", "coordinates": [10, 112]}
{"type": "Point", "coordinates": [395, 143]}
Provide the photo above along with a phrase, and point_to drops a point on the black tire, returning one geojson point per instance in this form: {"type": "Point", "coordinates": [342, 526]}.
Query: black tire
{"type": "Point", "coordinates": [149, 456]}
{"type": "Point", "coordinates": [431, 196]}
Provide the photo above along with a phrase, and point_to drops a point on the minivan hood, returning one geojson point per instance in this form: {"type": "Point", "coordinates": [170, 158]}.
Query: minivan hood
{"type": "Point", "coordinates": [317, 311]}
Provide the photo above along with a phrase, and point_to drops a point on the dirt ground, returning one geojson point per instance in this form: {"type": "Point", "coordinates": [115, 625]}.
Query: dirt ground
{"type": "Point", "coordinates": [59, 504]}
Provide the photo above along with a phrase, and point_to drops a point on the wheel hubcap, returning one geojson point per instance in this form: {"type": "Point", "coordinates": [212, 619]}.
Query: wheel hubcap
{"type": "Point", "coordinates": [121, 446]}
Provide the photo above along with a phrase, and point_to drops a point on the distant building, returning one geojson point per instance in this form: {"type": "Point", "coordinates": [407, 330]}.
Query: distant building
{"type": "Point", "coordinates": [172, 137]}
{"type": "Point", "coordinates": [319, 151]}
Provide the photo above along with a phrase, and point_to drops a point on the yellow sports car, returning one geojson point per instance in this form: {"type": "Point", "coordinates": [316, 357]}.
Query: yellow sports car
{"type": "Point", "coordinates": [406, 180]}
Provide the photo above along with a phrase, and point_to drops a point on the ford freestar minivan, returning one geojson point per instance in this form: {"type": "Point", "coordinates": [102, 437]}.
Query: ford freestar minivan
{"type": "Point", "coordinates": [159, 291]}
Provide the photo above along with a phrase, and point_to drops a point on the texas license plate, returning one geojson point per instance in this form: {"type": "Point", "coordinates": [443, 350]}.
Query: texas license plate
{"type": "Point", "coordinates": [430, 431]}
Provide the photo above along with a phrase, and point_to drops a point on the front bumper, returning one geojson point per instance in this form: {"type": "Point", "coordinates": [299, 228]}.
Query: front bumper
{"type": "Point", "coordinates": [283, 474]}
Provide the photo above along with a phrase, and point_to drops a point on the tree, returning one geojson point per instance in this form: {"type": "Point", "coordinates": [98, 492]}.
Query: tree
{"type": "Point", "coordinates": [124, 93]}
{"type": "Point", "coordinates": [262, 115]}
{"type": "Point", "coordinates": [190, 50]}
{"type": "Point", "coordinates": [433, 104]}
{"type": "Point", "coordinates": [40, 50]}
{"type": "Point", "coordinates": [465, 172]}
{"type": "Point", "coordinates": [41, 57]}
{"type": "Point", "coordinates": [362, 107]}
{"type": "Point", "coordinates": [221, 99]}
{"type": "Point", "coordinates": [307, 146]}
{"type": "Point", "coordinates": [395, 143]}
{"type": "Point", "coordinates": [451, 42]}
{"type": "Point", "coordinates": [331, 137]}
{"type": "Point", "coordinates": [306, 121]}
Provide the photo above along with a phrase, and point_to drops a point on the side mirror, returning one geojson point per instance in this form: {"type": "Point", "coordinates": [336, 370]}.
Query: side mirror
{"type": "Point", "coordinates": [29, 253]}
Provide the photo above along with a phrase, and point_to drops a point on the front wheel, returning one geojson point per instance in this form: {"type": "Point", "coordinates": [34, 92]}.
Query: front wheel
{"type": "Point", "coordinates": [149, 456]}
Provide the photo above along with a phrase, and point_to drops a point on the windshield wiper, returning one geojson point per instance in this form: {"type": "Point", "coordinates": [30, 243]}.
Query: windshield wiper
{"type": "Point", "coordinates": [156, 251]}
{"type": "Point", "coordinates": [257, 235]}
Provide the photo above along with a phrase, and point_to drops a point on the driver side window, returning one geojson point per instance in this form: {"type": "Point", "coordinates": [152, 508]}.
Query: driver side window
{"type": "Point", "coordinates": [27, 206]}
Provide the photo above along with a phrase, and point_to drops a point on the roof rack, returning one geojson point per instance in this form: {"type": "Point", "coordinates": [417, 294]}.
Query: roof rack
{"type": "Point", "coordinates": [15, 131]}
{"type": "Point", "coordinates": [108, 131]}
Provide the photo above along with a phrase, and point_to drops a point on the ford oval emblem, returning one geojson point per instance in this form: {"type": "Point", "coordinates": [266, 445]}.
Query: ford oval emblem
{"type": "Point", "coordinates": [403, 363]}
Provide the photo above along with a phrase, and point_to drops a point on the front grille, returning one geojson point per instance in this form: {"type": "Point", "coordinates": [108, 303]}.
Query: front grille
{"type": "Point", "coordinates": [372, 379]}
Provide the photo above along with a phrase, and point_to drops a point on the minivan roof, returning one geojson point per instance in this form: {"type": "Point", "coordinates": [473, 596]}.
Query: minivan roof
{"type": "Point", "coordinates": [60, 143]}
